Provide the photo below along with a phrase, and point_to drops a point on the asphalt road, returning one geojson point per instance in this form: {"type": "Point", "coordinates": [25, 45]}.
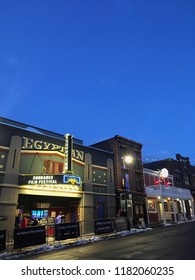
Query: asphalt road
{"type": "Point", "coordinates": [175, 242]}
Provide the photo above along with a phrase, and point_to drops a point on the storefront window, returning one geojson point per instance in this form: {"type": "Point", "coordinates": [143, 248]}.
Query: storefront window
{"type": "Point", "coordinates": [166, 206]}
{"type": "Point", "coordinates": [171, 207]}
{"type": "Point", "coordinates": [151, 205]}
{"type": "Point", "coordinates": [139, 209]}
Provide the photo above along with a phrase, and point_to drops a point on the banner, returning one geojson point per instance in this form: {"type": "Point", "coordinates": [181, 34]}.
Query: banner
{"type": "Point", "coordinates": [103, 226]}
{"type": "Point", "coordinates": [25, 237]}
{"type": "Point", "coordinates": [67, 230]}
{"type": "Point", "coordinates": [120, 223]}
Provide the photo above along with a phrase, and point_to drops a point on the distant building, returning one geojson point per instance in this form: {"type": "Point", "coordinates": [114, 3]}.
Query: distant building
{"type": "Point", "coordinates": [165, 202]}
{"type": "Point", "coordinates": [183, 175]}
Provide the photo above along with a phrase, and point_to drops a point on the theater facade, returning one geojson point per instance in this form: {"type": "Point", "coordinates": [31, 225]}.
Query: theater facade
{"type": "Point", "coordinates": [43, 174]}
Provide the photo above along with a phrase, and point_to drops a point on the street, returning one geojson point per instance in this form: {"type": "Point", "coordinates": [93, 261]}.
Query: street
{"type": "Point", "coordinates": [175, 242]}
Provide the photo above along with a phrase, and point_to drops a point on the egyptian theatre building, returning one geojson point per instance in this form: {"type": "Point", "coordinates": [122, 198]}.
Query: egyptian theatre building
{"type": "Point", "coordinates": [44, 173]}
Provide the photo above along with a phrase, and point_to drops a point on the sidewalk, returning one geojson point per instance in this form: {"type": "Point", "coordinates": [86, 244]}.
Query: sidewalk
{"type": "Point", "coordinates": [52, 245]}
{"type": "Point", "coordinates": [64, 244]}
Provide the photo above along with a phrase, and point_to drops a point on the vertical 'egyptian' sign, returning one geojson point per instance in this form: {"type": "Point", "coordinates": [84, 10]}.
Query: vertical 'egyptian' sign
{"type": "Point", "coordinates": [68, 154]}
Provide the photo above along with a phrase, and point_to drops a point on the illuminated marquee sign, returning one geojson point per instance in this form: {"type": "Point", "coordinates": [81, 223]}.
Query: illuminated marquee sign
{"type": "Point", "coordinates": [31, 144]}
{"type": "Point", "coordinates": [50, 180]}
{"type": "Point", "coordinates": [68, 153]}
{"type": "Point", "coordinates": [71, 179]}
{"type": "Point", "coordinates": [42, 179]}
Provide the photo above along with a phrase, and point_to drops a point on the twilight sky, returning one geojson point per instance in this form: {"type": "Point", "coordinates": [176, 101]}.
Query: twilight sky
{"type": "Point", "coordinates": [99, 68]}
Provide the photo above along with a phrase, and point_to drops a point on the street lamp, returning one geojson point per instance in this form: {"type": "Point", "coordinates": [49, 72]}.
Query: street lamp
{"type": "Point", "coordinates": [163, 173]}
{"type": "Point", "coordinates": [128, 159]}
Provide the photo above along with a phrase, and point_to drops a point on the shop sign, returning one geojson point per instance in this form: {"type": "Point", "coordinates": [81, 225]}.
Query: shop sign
{"type": "Point", "coordinates": [31, 236]}
{"type": "Point", "coordinates": [2, 240]}
{"type": "Point", "coordinates": [120, 224]}
{"type": "Point", "coordinates": [103, 226]}
{"type": "Point", "coordinates": [67, 230]}
{"type": "Point", "coordinates": [3, 218]}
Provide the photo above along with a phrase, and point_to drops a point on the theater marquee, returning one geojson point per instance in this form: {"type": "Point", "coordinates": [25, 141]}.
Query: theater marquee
{"type": "Point", "coordinates": [64, 179]}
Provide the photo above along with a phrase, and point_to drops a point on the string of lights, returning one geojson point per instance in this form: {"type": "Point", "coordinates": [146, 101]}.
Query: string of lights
{"type": "Point", "coordinates": [157, 158]}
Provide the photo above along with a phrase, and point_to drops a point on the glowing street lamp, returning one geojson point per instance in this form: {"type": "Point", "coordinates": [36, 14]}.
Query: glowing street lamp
{"type": "Point", "coordinates": [128, 159]}
{"type": "Point", "coordinates": [163, 173]}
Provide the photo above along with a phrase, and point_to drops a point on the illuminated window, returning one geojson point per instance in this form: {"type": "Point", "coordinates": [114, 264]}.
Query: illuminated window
{"type": "Point", "coordinates": [139, 209]}
{"type": "Point", "coordinates": [171, 207]}
{"type": "Point", "coordinates": [53, 167]}
{"type": "Point", "coordinates": [166, 206]}
{"type": "Point", "coordinates": [151, 205]}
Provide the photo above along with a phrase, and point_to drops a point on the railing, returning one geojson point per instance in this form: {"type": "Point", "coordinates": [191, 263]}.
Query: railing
{"type": "Point", "coordinates": [56, 233]}
{"type": "Point", "coordinates": [168, 191]}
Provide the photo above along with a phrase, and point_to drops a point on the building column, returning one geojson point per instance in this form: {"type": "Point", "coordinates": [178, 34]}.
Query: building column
{"type": "Point", "coordinates": [88, 196]}
{"type": "Point", "coordinates": [192, 206]}
{"type": "Point", "coordinates": [163, 209]}
{"type": "Point", "coordinates": [183, 209]}
{"type": "Point", "coordinates": [174, 210]}
{"type": "Point", "coordinates": [148, 210]}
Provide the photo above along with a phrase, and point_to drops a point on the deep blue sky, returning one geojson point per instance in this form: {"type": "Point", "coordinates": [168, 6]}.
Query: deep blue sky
{"type": "Point", "coordinates": [99, 68]}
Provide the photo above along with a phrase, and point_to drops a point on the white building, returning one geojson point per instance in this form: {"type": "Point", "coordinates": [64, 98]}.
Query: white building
{"type": "Point", "coordinates": [165, 202]}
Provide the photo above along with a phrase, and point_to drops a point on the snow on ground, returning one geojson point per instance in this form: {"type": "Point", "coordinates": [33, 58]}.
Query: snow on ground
{"type": "Point", "coordinates": [32, 251]}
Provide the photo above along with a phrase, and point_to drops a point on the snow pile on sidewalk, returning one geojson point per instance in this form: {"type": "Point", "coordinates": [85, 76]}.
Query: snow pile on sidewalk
{"type": "Point", "coordinates": [26, 252]}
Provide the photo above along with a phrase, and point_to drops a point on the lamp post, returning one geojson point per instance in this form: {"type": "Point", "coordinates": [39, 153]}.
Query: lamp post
{"type": "Point", "coordinates": [128, 200]}
{"type": "Point", "coordinates": [163, 173]}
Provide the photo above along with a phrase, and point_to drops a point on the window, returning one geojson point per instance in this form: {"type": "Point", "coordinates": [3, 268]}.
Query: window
{"type": "Point", "coordinates": [139, 209]}
{"type": "Point", "coordinates": [193, 180]}
{"type": "Point", "coordinates": [53, 167]}
{"type": "Point", "coordinates": [171, 206]}
{"type": "Point", "coordinates": [110, 171]}
{"type": "Point", "coordinates": [177, 177]}
{"type": "Point", "coordinates": [166, 206]}
{"type": "Point", "coordinates": [125, 180]}
{"type": "Point", "coordinates": [186, 178]}
{"type": "Point", "coordinates": [138, 181]}
{"type": "Point", "coordinates": [146, 178]}
{"type": "Point", "coordinates": [151, 205]}
{"type": "Point", "coordinates": [151, 180]}
{"type": "Point", "coordinates": [137, 159]}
